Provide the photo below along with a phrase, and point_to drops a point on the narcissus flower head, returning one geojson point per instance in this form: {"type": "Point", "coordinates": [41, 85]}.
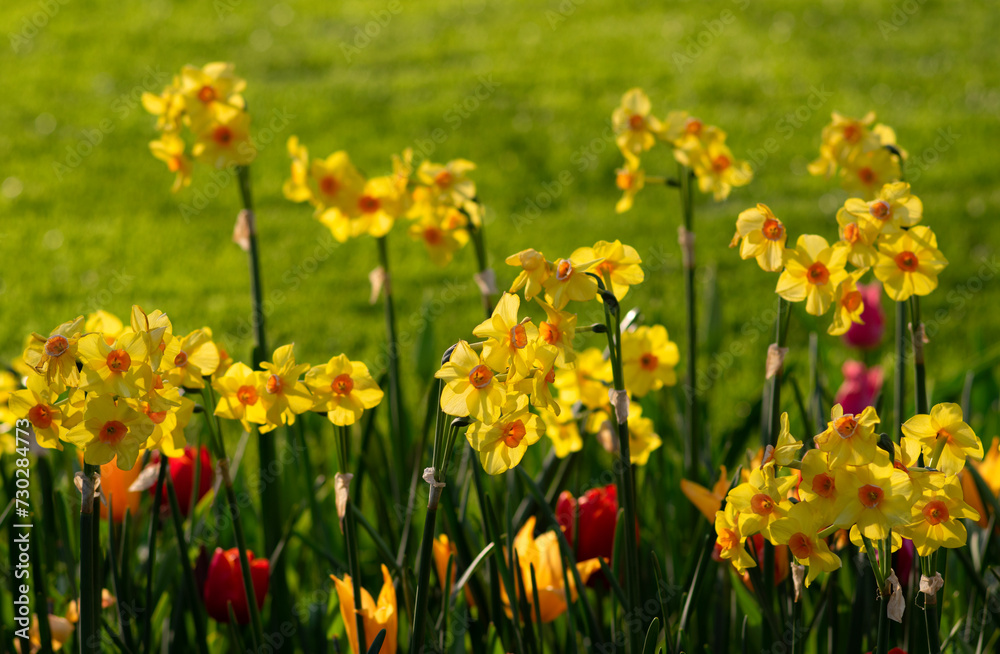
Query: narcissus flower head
{"type": "Point", "coordinates": [937, 518]}
{"type": "Point", "coordinates": [909, 263]}
{"type": "Point", "coordinates": [535, 271]}
{"type": "Point", "coordinates": [209, 91]}
{"type": "Point", "coordinates": [470, 386]}
{"type": "Point", "coordinates": [783, 453]}
{"type": "Point", "coordinates": [563, 430]}
{"type": "Point", "coordinates": [648, 359]}
{"type": "Point", "coordinates": [449, 183]}
{"type": "Point", "coordinates": [111, 429]}
{"type": "Point", "coordinates": [121, 368]}
{"type": "Point", "coordinates": [630, 179]}
{"type": "Point", "coordinates": [240, 390]}
{"type": "Point", "coordinates": [799, 529]}
{"type": "Point", "coordinates": [945, 438]}
{"type": "Point", "coordinates": [868, 172]}
{"type": "Point", "coordinates": [730, 538]}
{"type": "Point", "coordinates": [818, 486]}
{"type": "Point", "coordinates": [892, 210]}
{"type": "Point", "coordinates": [843, 140]}
{"type": "Point", "coordinates": [587, 382]}
{"type": "Point", "coordinates": [716, 167]}
{"type": "Point", "coordinates": [283, 395]}
{"type": "Point", "coordinates": [225, 140]}
{"type": "Point", "coordinates": [858, 235]}
{"type": "Point", "coordinates": [569, 281]}
{"type": "Point", "coordinates": [374, 212]}
{"type": "Point", "coordinates": [620, 266]}
{"type": "Point", "coordinates": [848, 304]}
{"type": "Point", "coordinates": [187, 360]}
{"type": "Point", "coordinates": [812, 272]}
{"type": "Point", "coordinates": [169, 148]}
{"type": "Point", "coordinates": [344, 389]}
{"type": "Point", "coordinates": [54, 356]}
{"type": "Point", "coordinates": [510, 342]}
{"type": "Point", "coordinates": [761, 500]}
{"type": "Point", "coordinates": [642, 437]}
{"type": "Point", "coordinates": [442, 231]}
{"type": "Point", "coordinates": [635, 128]}
{"type": "Point", "coordinates": [849, 439]}
{"type": "Point", "coordinates": [763, 237]}
{"type": "Point", "coordinates": [49, 417]}
{"type": "Point", "coordinates": [502, 444]}
{"type": "Point", "coordinates": [334, 183]}
{"type": "Point", "coordinates": [558, 330]}
{"type": "Point", "coordinates": [874, 497]}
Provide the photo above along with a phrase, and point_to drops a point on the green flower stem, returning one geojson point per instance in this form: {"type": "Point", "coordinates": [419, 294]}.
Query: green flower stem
{"type": "Point", "coordinates": [154, 528]}
{"type": "Point", "coordinates": [417, 638]}
{"type": "Point", "coordinates": [90, 627]}
{"type": "Point", "coordinates": [899, 383]}
{"type": "Point", "coordinates": [919, 372]}
{"type": "Point", "coordinates": [350, 535]}
{"type": "Point", "coordinates": [196, 607]}
{"type": "Point", "coordinates": [397, 420]}
{"type": "Point", "coordinates": [691, 444]}
{"type": "Point", "coordinates": [41, 597]}
{"type": "Point", "coordinates": [208, 396]}
{"type": "Point", "coordinates": [626, 479]}
{"type": "Point", "coordinates": [266, 445]}
{"type": "Point", "coordinates": [483, 262]}
{"type": "Point", "coordinates": [774, 388]}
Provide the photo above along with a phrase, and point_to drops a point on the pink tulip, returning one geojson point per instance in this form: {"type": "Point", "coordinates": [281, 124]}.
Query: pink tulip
{"type": "Point", "coordinates": [868, 335]}
{"type": "Point", "coordinates": [860, 388]}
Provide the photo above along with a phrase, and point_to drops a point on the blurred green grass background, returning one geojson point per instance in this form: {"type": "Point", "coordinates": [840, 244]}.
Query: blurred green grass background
{"type": "Point", "coordinates": [525, 89]}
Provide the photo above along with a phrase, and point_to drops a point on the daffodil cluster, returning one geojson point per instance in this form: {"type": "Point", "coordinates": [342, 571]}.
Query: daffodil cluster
{"type": "Point", "coordinates": [849, 482]}
{"type": "Point", "coordinates": [526, 378]}
{"type": "Point", "coordinates": [114, 390]}
{"type": "Point", "coordinates": [208, 102]}
{"type": "Point", "coordinates": [111, 389]}
{"type": "Point", "coordinates": [439, 199]}
{"type": "Point", "coordinates": [882, 235]}
{"type": "Point", "coordinates": [699, 146]}
{"type": "Point", "coordinates": [857, 148]}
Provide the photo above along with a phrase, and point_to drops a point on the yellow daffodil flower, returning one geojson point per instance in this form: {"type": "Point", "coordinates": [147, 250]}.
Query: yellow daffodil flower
{"type": "Point", "coordinates": [874, 497]}
{"type": "Point", "coordinates": [535, 271]}
{"type": "Point", "coordinates": [819, 483]}
{"type": "Point", "coordinates": [630, 179]}
{"type": "Point", "coordinates": [858, 236]}
{"type": "Point", "coordinates": [375, 616]}
{"type": "Point", "coordinates": [442, 232]}
{"type": "Point", "coordinates": [569, 281]}
{"type": "Point", "coordinates": [470, 387]}
{"type": "Point", "coordinates": [284, 396]}
{"type": "Point", "coordinates": [344, 389]}
{"type": "Point", "coordinates": [909, 263]}
{"type": "Point", "coordinates": [635, 128]}
{"type": "Point", "coordinates": [239, 392]}
{"type": "Point", "coordinates": [111, 429]}
{"type": "Point", "coordinates": [620, 266]}
{"type": "Point", "coordinates": [54, 356]}
{"type": "Point", "coordinates": [50, 418]}
{"type": "Point", "coordinates": [945, 438]}
{"type": "Point", "coordinates": [502, 444]}
{"type": "Point", "coordinates": [209, 91]}
{"type": "Point", "coordinates": [449, 183]}
{"type": "Point", "coordinates": [799, 530]}
{"type": "Point", "coordinates": [718, 171]}
{"type": "Point", "coordinates": [761, 500]}
{"type": "Point", "coordinates": [510, 342]}
{"type": "Point", "coordinates": [226, 140]}
{"type": "Point", "coordinates": [121, 368]}
{"type": "Point", "coordinates": [843, 140]}
{"type": "Point", "coordinates": [730, 538]}
{"type": "Point", "coordinates": [847, 304]}
{"type": "Point", "coordinates": [335, 183]}
{"type": "Point", "coordinates": [169, 148]}
{"type": "Point", "coordinates": [642, 437]}
{"type": "Point", "coordinates": [648, 359]}
{"type": "Point", "coordinates": [155, 328]}
{"type": "Point", "coordinates": [812, 272]}
{"type": "Point", "coordinates": [563, 430]}
{"type": "Point", "coordinates": [296, 188]}
{"type": "Point", "coordinates": [849, 439]}
{"type": "Point", "coordinates": [868, 172]}
{"type": "Point", "coordinates": [892, 210]}
{"type": "Point", "coordinates": [559, 331]}
{"type": "Point", "coordinates": [938, 515]}
{"type": "Point", "coordinates": [764, 237]}
{"type": "Point", "coordinates": [784, 453]}
{"type": "Point", "coordinates": [186, 360]}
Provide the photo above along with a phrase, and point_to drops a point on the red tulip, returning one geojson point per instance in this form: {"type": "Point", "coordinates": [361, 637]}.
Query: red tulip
{"type": "Point", "coordinates": [868, 335]}
{"type": "Point", "coordinates": [182, 474]}
{"type": "Point", "coordinates": [224, 585]}
{"type": "Point", "coordinates": [861, 386]}
{"type": "Point", "coordinates": [598, 516]}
